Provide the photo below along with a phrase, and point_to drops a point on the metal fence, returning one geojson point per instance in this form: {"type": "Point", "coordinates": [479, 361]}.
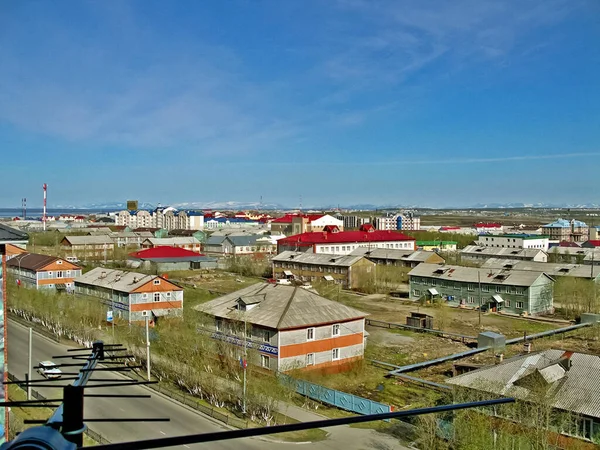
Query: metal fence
{"type": "Point", "coordinates": [339, 399]}
{"type": "Point", "coordinates": [35, 394]}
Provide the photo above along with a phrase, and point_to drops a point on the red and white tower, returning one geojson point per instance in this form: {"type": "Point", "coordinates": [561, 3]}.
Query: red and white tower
{"type": "Point", "coordinates": [44, 215]}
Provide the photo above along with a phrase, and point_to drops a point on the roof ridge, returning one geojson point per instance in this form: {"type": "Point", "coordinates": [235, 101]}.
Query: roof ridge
{"type": "Point", "coordinates": [287, 307]}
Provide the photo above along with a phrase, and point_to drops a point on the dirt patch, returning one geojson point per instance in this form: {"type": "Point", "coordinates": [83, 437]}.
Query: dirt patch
{"type": "Point", "coordinates": [381, 336]}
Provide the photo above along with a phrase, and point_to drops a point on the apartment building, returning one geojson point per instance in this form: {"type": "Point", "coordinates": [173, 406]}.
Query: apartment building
{"type": "Point", "coordinates": [476, 253]}
{"type": "Point", "coordinates": [304, 223]}
{"type": "Point", "coordinates": [336, 242]}
{"type": "Point", "coordinates": [566, 230]}
{"type": "Point", "coordinates": [400, 258]}
{"type": "Point", "coordinates": [352, 272]}
{"type": "Point", "coordinates": [165, 217]}
{"type": "Point", "coordinates": [43, 271]}
{"type": "Point", "coordinates": [134, 296]}
{"type": "Point", "coordinates": [515, 291]}
{"type": "Point", "coordinates": [353, 222]}
{"type": "Point", "coordinates": [88, 247]}
{"type": "Point", "coordinates": [555, 270]}
{"type": "Point", "coordinates": [288, 327]}
{"type": "Point", "coordinates": [514, 241]}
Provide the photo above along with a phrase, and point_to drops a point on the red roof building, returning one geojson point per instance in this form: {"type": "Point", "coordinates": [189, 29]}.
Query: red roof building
{"type": "Point", "coordinates": [288, 218]}
{"type": "Point", "coordinates": [344, 242]}
{"type": "Point", "coordinates": [592, 243]}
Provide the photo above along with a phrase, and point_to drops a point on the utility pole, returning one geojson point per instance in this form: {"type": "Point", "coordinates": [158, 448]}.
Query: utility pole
{"type": "Point", "coordinates": [244, 365]}
{"type": "Point", "coordinates": [29, 367]}
{"type": "Point", "coordinates": [147, 348]}
{"type": "Point", "coordinates": [479, 286]}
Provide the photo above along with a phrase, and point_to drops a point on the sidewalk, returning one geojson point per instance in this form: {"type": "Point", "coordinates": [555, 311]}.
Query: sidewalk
{"type": "Point", "coordinates": [344, 436]}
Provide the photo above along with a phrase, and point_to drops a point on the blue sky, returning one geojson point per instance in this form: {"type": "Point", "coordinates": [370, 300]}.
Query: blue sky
{"type": "Point", "coordinates": [338, 101]}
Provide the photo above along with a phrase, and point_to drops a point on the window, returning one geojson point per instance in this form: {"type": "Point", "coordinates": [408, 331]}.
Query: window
{"type": "Point", "coordinates": [266, 336]}
{"type": "Point", "coordinates": [416, 292]}
{"type": "Point", "coordinates": [310, 334]}
{"type": "Point", "coordinates": [265, 361]}
{"type": "Point", "coordinates": [433, 282]}
{"type": "Point", "coordinates": [59, 262]}
{"type": "Point", "coordinates": [335, 330]}
{"type": "Point", "coordinates": [218, 324]}
{"type": "Point", "coordinates": [156, 282]}
{"type": "Point", "coordinates": [470, 287]}
{"type": "Point", "coordinates": [157, 296]}
{"type": "Point", "coordinates": [59, 274]}
{"type": "Point", "coordinates": [498, 289]}
{"type": "Point", "coordinates": [335, 354]}
{"type": "Point", "coordinates": [50, 274]}
{"type": "Point", "coordinates": [168, 294]}
{"type": "Point", "coordinates": [471, 299]}
{"type": "Point", "coordinates": [310, 359]}
{"type": "Point", "coordinates": [457, 286]}
{"type": "Point", "coordinates": [519, 305]}
{"type": "Point", "coordinates": [248, 332]}
{"type": "Point", "coordinates": [507, 303]}
{"type": "Point", "coordinates": [144, 296]}
{"type": "Point", "coordinates": [485, 288]}
{"type": "Point", "coordinates": [68, 273]}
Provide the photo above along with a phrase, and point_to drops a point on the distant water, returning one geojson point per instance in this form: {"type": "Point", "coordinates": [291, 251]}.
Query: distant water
{"type": "Point", "coordinates": [36, 213]}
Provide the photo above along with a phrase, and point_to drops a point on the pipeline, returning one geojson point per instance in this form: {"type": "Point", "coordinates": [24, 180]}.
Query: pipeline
{"type": "Point", "coordinates": [433, 362]}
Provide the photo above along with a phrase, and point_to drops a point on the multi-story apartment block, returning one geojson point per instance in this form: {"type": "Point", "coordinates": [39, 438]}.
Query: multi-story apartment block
{"type": "Point", "coordinates": [133, 296]}
{"type": "Point", "coordinates": [408, 222]}
{"type": "Point", "coordinates": [566, 230]}
{"type": "Point", "coordinates": [353, 222]}
{"type": "Point", "coordinates": [477, 253]}
{"type": "Point", "coordinates": [515, 291]}
{"type": "Point", "coordinates": [288, 328]}
{"type": "Point", "coordinates": [166, 218]}
{"type": "Point", "coordinates": [89, 247]}
{"type": "Point", "coordinates": [514, 241]}
{"type": "Point", "coordinates": [43, 271]}
{"type": "Point", "coordinates": [344, 242]}
{"type": "Point", "coordinates": [350, 271]}
{"type": "Point", "coordinates": [304, 223]}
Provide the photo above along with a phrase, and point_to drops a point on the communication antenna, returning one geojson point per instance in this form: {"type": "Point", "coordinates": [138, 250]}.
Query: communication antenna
{"type": "Point", "coordinates": [45, 187]}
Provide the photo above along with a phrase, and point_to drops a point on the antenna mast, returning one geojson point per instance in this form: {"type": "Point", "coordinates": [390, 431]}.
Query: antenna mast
{"type": "Point", "coordinates": [44, 215]}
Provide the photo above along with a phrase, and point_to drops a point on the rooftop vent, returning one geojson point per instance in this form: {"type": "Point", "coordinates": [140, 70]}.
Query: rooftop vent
{"type": "Point", "coordinates": [103, 274]}
{"type": "Point", "coordinates": [135, 279]}
{"type": "Point", "coordinates": [500, 277]}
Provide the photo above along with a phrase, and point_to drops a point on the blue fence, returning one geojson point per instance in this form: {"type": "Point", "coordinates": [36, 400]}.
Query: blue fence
{"type": "Point", "coordinates": [340, 399]}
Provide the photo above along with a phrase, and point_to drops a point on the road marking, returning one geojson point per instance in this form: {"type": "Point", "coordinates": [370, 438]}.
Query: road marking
{"type": "Point", "coordinates": [162, 432]}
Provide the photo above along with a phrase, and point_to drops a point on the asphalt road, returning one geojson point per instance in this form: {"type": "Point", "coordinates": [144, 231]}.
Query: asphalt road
{"type": "Point", "coordinates": [184, 421]}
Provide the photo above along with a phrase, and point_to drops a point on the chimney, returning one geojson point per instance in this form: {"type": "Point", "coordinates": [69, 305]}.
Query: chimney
{"type": "Point", "coordinates": [103, 274]}
{"type": "Point", "coordinates": [117, 277]}
{"type": "Point", "coordinates": [135, 280]}
{"type": "Point", "coordinates": [165, 276]}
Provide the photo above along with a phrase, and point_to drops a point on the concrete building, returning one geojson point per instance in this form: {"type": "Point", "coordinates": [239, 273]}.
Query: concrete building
{"type": "Point", "coordinates": [43, 271]}
{"type": "Point", "coordinates": [514, 241]}
{"type": "Point", "coordinates": [130, 238]}
{"type": "Point", "coordinates": [567, 377]}
{"type": "Point", "coordinates": [165, 259]}
{"type": "Point", "coordinates": [218, 223]}
{"type": "Point", "coordinates": [515, 291]}
{"type": "Point", "coordinates": [352, 272]}
{"type": "Point", "coordinates": [353, 222]}
{"type": "Point", "coordinates": [188, 243]}
{"type": "Point", "coordinates": [476, 253]}
{"type": "Point", "coordinates": [575, 255]}
{"type": "Point", "coordinates": [287, 328]}
{"type": "Point", "coordinates": [437, 246]}
{"type": "Point", "coordinates": [89, 247]}
{"type": "Point", "coordinates": [400, 258]}
{"type": "Point", "coordinates": [344, 242]}
{"type": "Point", "coordinates": [555, 270]}
{"type": "Point", "coordinates": [163, 217]}
{"type": "Point", "coordinates": [566, 230]}
{"type": "Point", "coordinates": [304, 223]}
{"type": "Point", "coordinates": [132, 295]}
{"type": "Point", "coordinates": [408, 221]}
{"type": "Point", "coordinates": [488, 228]}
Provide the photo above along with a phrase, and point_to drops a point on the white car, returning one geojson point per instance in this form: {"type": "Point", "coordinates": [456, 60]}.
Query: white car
{"type": "Point", "coordinates": [49, 370]}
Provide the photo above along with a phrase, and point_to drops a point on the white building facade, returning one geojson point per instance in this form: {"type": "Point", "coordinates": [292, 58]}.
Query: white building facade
{"type": "Point", "coordinates": [514, 241]}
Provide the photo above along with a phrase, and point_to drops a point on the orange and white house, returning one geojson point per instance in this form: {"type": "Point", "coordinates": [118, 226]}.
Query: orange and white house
{"type": "Point", "coordinates": [43, 271]}
{"type": "Point", "coordinates": [132, 296]}
{"type": "Point", "coordinates": [290, 328]}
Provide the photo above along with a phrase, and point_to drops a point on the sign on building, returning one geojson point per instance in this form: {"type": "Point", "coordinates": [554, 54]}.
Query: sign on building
{"type": "Point", "coordinates": [132, 205]}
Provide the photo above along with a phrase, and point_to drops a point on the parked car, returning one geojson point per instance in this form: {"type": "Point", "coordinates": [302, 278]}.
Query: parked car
{"type": "Point", "coordinates": [49, 370]}
{"type": "Point", "coordinates": [72, 259]}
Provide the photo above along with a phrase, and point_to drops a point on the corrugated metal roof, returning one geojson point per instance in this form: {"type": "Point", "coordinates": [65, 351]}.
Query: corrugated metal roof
{"type": "Point", "coordinates": [9, 234]}
{"type": "Point", "coordinates": [33, 261]}
{"type": "Point", "coordinates": [344, 237]}
{"type": "Point", "coordinates": [394, 254]}
{"type": "Point", "coordinates": [320, 259]}
{"type": "Point", "coordinates": [117, 280]}
{"type": "Point", "coordinates": [552, 269]}
{"type": "Point", "coordinates": [280, 307]}
{"type": "Point", "coordinates": [89, 240]}
{"type": "Point", "coordinates": [476, 250]}
{"type": "Point", "coordinates": [170, 241]}
{"type": "Point", "coordinates": [470, 274]}
{"type": "Point", "coordinates": [576, 389]}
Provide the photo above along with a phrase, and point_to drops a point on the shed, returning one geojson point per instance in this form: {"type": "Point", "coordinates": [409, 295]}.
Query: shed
{"type": "Point", "coordinates": [490, 339]}
{"type": "Point", "coordinates": [420, 320]}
